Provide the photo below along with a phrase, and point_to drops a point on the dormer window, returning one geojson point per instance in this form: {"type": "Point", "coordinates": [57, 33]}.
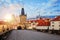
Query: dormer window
{"type": "Point", "coordinates": [52, 22]}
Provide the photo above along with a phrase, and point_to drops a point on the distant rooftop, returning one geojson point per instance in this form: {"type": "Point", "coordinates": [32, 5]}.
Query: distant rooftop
{"type": "Point", "coordinates": [56, 18]}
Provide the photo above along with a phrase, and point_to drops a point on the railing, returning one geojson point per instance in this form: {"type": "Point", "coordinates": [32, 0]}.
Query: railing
{"type": "Point", "coordinates": [4, 34]}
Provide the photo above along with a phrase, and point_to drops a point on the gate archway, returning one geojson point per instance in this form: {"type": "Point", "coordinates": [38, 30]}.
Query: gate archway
{"type": "Point", "coordinates": [19, 27]}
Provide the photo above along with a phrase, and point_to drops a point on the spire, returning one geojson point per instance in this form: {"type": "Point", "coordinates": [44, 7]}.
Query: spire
{"type": "Point", "coordinates": [22, 11]}
{"type": "Point", "coordinates": [39, 15]}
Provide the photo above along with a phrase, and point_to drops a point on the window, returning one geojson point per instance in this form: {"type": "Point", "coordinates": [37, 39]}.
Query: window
{"type": "Point", "coordinates": [59, 22]}
{"type": "Point", "coordinates": [53, 22]}
{"type": "Point", "coordinates": [59, 25]}
{"type": "Point", "coordinates": [59, 28]}
{"type": "Point", "coordinates": [52, 25]}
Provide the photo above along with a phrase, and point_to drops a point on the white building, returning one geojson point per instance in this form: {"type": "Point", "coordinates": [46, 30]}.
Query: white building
{"type": "Point", "coordinates": [55, 23]}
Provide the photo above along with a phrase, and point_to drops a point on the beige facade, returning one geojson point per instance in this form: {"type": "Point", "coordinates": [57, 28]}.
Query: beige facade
{"type": "Point", "coordinates": [23, 18]}
{"type": "Point", "coordinates": [55, 25]}
{"type": "Point", "coordinates": [22, 21]}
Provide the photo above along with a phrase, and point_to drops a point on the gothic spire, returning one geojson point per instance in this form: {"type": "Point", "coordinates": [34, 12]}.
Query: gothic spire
{"type": "Point", "coordinates": [22, 11]}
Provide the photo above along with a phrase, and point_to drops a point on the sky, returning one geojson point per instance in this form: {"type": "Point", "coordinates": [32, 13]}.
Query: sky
{"type": "Point", "coordinates": [32, 8]}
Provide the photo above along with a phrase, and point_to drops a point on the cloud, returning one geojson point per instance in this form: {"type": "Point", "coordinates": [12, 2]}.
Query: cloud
{"type": "Point", "coordinates": [43, 9]}
{"type": "Point", "coordinates": [9, 1]}
{"type": "Point", "coordinates": [21, 0]}
{"type": "Point", "coordinates": [31, 8]}
{"type": "Point", "coordinates": [11, 9]}
{"type": "Point", "coordinates": [53, 0]}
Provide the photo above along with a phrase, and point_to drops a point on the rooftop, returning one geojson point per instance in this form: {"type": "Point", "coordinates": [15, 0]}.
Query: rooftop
{"type": "Point", "coordinates": [56, 18]}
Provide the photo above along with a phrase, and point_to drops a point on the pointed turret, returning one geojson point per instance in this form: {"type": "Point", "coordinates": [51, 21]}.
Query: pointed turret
{"type": "Point", "coordinates": [22, 11]}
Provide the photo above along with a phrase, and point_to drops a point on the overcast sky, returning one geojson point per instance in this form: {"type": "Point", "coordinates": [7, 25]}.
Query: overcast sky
{"type": "Point", "coordinates": [32, 7]}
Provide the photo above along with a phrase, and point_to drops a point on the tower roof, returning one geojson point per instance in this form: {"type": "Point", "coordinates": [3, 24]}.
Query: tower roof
{"type": "Point", "coordinates": [22, 11]}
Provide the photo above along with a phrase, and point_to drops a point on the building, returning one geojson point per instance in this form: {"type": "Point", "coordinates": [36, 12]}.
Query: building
{"type": "Point", "coordinates": [31, 24]}
{"type": "Point", "coordinates": [43, 24]}
{"type": "Point", "coordinates": [3, 26]}
{"type": "Point", "coordinates": [55, 23]}
{"type": "Point", "coordinates": [23, 18]}
{"type": "Point", "coordinates": [40, 23]}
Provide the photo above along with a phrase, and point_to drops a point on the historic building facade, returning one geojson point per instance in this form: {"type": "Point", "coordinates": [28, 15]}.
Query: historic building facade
{"type": "Point", "coordinates": [23, 18]}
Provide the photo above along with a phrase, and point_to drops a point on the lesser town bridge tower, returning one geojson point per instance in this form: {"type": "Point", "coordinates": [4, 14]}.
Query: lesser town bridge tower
{"type": "Point", "coordinates": [23, 18]}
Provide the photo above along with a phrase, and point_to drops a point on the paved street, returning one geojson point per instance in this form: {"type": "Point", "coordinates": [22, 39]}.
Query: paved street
{"type": "Point", "coordinates": [31, 35]}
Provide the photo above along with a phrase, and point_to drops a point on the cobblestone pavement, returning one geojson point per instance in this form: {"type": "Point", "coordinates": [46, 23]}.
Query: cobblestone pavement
{"type": "Point", "coordinates": [31, 35]}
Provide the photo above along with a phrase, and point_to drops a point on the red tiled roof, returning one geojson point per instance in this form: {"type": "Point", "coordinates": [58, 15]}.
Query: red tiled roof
{"type": "Point", "coordinates": [56, 19]}
{"type": "Point", "coordinates": [32, 20]}
{"type": "Point", "coordinates": [2, 22]}
{"type": "Point", "coordinates": [42, 22]}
